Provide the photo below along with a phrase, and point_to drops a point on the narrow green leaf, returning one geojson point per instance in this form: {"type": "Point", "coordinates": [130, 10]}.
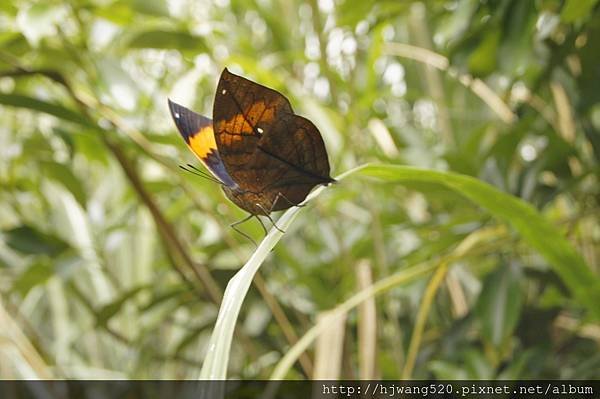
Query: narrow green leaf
{"type": "Point", "coordinates": [36, 274]}
{"type": "Point", "coordinates": [574, 10]}
{"type": "Point", "coordinates": [64, 175]}
{"type": "Point", "coordinates": [157, 8]}
{"type": "Point", "coordinates": [444, 370]}
{"type": "Point", "coordinates": [499, 304]}
{"type": "Point", "coordinates": [111, 309]}
{"type": "Point", "coordinates": [524, 218]}
{"type": "Point", "coordinates": [118, 12]}
{"type": "Point", "coordinates": [160, 298]}
{"type": "Point", "coordinates": [17, 100]}
{"type": "Point", "coordinates": [30, 241]}
{"type": "Point", "coordinates": [477, 366]}
{"type": "Point", "coordinates": [482, 60]}
{"type": "Point", "coordinates": [190, 337]}
{"type": "Point", "coordinates": [90, 146]}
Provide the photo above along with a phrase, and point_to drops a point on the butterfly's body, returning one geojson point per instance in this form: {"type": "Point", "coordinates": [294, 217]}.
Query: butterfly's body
{"type": "Point", "coordinates": [254, 203]}
{"type": "Point", "coordinates": [266, 157]}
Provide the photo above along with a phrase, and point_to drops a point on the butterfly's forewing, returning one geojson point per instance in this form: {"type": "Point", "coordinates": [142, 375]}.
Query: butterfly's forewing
{"type": "Point", "coordinates": [243, 112]}
{"type": "Point", "coordinates": [265, 147]}
{"type": "Point", "coordinates": [198, 133]}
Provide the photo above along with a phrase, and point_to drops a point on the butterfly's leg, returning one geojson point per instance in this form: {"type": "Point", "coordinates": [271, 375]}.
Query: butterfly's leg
{"type": "Point", "coordinates": [262, 224]}
{"type": "Point", "coordinates": [233, 226]}
{"type": "Point", "coordinates": [269, 217]}
{"type": "Point", "coordinates": [274, 225]}
{"type": "Point", "coordinates": [280, 195]}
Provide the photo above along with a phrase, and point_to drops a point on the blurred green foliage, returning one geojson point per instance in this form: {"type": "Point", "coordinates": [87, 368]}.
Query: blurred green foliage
{"type": "Point", "coordinates": [112, 260]}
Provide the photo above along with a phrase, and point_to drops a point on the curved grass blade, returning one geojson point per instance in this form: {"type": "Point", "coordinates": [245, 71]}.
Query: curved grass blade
{"type": "Point", "coordinates": [217, 357]}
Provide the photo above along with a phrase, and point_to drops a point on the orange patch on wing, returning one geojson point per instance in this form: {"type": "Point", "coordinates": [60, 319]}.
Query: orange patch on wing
{"type": "Point", "coordinates": [203, 142]}
{"type": "Point", "coordinates": [256, 113]}
{"type": "Point", "coordinates": [260, 112]}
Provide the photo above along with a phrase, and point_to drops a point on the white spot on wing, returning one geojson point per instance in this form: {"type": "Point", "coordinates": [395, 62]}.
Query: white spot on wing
{"type": "Point", "coordinates": [260, 130]}
{"type": "Point", "coordinates": [176, 115]}
{"type": "Point", "coordinates": [224, 91]}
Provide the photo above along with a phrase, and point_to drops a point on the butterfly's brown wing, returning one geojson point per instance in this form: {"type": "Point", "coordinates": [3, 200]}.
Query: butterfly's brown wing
{"type": "Point", "coordinates": [293, 157]}
{"type": "Point", "coordinates": [197, 131]}
{"type": "Point", "coordinates": [242, 112]}
{"type": "Point", "coordinates": [265, 147]}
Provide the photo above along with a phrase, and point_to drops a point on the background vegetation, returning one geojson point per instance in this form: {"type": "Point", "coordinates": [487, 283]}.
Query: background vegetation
{"type": "Point", "coordinates": [113, 261]}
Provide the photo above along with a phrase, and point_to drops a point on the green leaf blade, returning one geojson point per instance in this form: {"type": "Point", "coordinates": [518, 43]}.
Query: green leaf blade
{"type": "Point", "coordinates": [524, 218]}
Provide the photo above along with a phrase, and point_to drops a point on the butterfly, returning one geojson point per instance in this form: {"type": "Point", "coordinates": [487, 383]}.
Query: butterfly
{"type": "Point", "coordinates": [265, 157]}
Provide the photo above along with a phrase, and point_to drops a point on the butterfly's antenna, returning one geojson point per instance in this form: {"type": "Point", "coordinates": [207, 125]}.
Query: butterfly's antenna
{"type": "Point", "coordinates": [216, 180]}
{"type": "Point", "coordinates": [189, 165]}
{"type": "Point", "coordinates": [195, 171]}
